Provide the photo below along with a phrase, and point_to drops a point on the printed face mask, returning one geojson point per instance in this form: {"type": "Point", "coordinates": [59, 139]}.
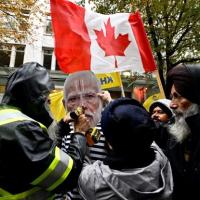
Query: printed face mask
{"type": "Point", "coordinates": [83, 93]}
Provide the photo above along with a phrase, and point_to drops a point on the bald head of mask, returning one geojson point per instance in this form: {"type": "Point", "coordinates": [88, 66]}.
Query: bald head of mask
{"type": "Point", "coordinates": [80, 89]}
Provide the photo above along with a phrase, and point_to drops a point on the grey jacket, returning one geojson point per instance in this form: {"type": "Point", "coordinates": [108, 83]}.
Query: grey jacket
{"type": "Point", "coordinates": [154, 182]}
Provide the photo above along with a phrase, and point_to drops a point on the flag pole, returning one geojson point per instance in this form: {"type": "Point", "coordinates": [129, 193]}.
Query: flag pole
{"type": "Point", "coordinates": [160, 85]}
{"type": "Point", "coordinates": [121, 85]}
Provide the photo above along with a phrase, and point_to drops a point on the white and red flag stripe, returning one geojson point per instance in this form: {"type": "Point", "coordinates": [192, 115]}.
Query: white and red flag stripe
{"type": "Point", "coordinates": [85, 40]}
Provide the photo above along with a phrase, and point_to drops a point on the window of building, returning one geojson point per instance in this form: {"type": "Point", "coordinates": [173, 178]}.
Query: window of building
{"type": "Point", "coordinates": [19, 55]}
{"type": "Point", "coordinates": [47, 57]}
{"type": "Point", "coordinates": [57, 66]}
{"type": "Point", "coordinates": [5, 53]}
{"type": "Point", "coordinates": [25, 12]}
{"type": "Point", "coordinates": [11, 55]}
{"type": "Point", "coordinates": [48, 26]}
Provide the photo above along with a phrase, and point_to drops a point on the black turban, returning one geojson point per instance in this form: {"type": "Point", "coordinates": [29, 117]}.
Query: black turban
{"type": "Point", "coordinates": [186, 79]}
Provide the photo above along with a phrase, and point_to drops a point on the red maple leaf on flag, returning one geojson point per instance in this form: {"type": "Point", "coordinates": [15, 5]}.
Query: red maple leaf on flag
{"type": "Point", "coordinates": [111, 45]}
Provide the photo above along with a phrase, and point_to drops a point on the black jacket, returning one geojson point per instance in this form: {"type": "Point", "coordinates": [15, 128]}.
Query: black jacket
{"type": "Point", "coordinates": [31, 165]}
{"type": "Point", "coordinates": [26, 152]}
{"type": "Point", "coordinates": [186, 174]}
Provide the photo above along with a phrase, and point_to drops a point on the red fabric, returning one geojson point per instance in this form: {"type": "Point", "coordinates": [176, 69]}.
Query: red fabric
{"type": "Point", "coordinates": [141, 38]}
{"type": "Point", "coordinates": [72, 41]}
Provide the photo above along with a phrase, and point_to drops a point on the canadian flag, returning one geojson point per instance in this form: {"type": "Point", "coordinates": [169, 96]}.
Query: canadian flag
{"type": "Point", "coordinates": [85, 40]}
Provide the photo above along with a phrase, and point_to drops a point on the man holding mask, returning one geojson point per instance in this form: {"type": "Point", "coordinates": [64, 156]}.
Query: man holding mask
{"type": "Point", "coordinates": [82, 89]}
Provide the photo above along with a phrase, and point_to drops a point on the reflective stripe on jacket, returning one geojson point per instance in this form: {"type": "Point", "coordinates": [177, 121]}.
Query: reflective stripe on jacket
{"type": "Point", "coordinates": [51, 178]}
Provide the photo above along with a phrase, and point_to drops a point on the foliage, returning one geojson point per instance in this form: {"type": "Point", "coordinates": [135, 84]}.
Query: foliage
{"type": "Point", "coordinates": [15, 19]}
{"type": "Point", "coordinates": [173, 27]}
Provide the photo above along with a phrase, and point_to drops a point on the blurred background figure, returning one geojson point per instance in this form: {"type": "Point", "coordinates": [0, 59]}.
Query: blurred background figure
{"type": "Point", "coordinates": [135, 167]}
{"type": "Point", "coordinates": [160, 111]}
{"type": "Point", "coordinates": [163, 117]}
{"type": "Point", "coordinates": [140, 93]}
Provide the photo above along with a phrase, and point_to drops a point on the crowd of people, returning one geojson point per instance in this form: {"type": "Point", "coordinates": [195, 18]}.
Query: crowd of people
{"type": "Point", "coordinates": [134, 154]}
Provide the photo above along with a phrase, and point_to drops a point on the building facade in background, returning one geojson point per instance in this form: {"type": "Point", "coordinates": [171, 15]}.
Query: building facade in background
{"type": "Point", "coordinates": [38, 47]}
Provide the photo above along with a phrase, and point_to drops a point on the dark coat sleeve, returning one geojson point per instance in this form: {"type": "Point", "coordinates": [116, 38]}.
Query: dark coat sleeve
{"type": "Point", "coordinates": [29, 152]}
{"type": "Point", "coordinates": [62, 129]}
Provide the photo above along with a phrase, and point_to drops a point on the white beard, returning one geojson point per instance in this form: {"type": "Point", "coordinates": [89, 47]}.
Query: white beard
{"type": "Point", "coordinates": [180, 130]}
{"type": "Point", "coordinates": [96, 116]}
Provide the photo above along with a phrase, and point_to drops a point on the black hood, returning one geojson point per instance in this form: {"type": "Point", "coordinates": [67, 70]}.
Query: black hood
{"type": "Point", "coordinates": [27, 88]}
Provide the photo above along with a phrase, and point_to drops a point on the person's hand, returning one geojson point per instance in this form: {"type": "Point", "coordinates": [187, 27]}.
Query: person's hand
{"type": "Point", "coordinates": [82, 124]}
{"type": "Point", "coordinates": [67, 118]}
{"type": "Point", "coordinates": [105, 96]}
